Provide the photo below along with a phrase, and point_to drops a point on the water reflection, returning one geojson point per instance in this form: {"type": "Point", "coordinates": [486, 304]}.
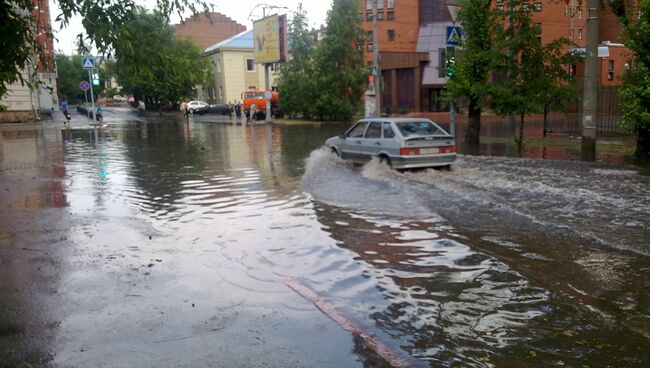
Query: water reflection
{"type": "Point", "coordinates": [500, 262]}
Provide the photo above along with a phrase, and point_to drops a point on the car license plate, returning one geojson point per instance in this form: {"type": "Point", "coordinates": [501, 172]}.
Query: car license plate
{"type": "Point", "coordinates": [429, 151]}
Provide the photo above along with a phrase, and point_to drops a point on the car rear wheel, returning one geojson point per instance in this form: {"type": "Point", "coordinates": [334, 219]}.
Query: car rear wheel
{"type": "Point", "coordinates": [385, 160]}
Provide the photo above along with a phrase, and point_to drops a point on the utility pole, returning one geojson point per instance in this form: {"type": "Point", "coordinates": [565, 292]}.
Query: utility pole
{"type": "Point", "coordinates": [590, 85]}
{"type": "Point", "coordinates": [375, 61]}
{"type": "Point", "coordinates": [510, 118]}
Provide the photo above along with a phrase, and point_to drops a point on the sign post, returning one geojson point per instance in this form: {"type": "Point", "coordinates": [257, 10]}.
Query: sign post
{"type": "Point", "coordinates": [454, 35]}
{"type": "Point", "coordinates": [88, 63]}
{"type": "Point", "coordinates": [269, 35]}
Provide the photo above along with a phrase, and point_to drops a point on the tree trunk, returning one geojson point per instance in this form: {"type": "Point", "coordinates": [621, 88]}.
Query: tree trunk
{"type": "Point", "coordinates": [521, 129]}
{"type": "Point", "coordinates": [643, 144]}
{"type": "Point", "coordinates": [473, 122]}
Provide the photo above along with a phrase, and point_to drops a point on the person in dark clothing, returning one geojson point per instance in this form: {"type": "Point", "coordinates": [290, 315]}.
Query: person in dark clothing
{"type": "Point", "coordinates": [64, 110]}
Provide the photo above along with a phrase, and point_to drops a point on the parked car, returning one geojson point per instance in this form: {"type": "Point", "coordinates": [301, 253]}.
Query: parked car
{"type": "Point", "coordinates": [222, 109]}
{"type": "Point", "coordinates": [402, 143]}
{"type": "Point", "coordinates": [119, 98]}
{"type": "Point", "coordinates": [193, 105]}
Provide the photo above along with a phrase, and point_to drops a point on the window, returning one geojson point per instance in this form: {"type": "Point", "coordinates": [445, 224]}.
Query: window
{"type": "Point", "coordinates": [628, 65]}
{"type": "Point", "coordinates": [388, 131]}
{"type": "Point", "coordinates": [357, 131]}
{"type": "Point", "coordinates": [380, 16]}
{"type": "Point", "coordinates": [442, 63]}
{"type": "Point", "coordinates": [500, 8]}
{"type": "Point", "coordinates": [538, 28]}
{"type": "Point", "coordinates": [579, 13]}
{"type": "Point", "coordinates": [370, 48]}
{"type": "Point", "coordinates": [579, 33]}
{"type": "Point", "coordinates": [537, 7]}
{"type": "Point", "coordinates": [525, 7]}
{"type": "Point", "coordinates": [610, 68]}
{"type": "Point", "coordinates": [572, 70]}
{"type": "Point", "coordinates": [368, 16]}
{"type": "Point", "coordinates": [218, 64]}
{"type": "Point", "coordinates": [370, 4]}
{"type": "Point", "coordinates": [374, 131]}
{"type": "Point", "coordinates": [391, 35]}
{"type": "Point", "coordinates": [390, 4]}
{"type": "Point", "coordinates": [220, 92]}
{"type": "Point", "coordinates": [369, 36]}
{"type": "Point", "coordinates": [380, 4]}
{"type": "Point", "coordinates": [250, 65]}
{"type": "Point", "coordinates": [390, 15]}
{"type": "Point", "coordinates": [499, 1]}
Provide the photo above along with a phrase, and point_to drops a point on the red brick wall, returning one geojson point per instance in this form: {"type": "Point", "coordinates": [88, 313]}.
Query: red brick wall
{"type": "Point", "coordinates": [205, 32]}
{"type": "Point", "coordinates": [43, 31]}
{"type": "Point", "coordinates": [406, 27]}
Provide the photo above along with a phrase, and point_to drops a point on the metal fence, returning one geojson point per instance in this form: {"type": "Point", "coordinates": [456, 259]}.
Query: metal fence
{"type": "Point", "coordinates": [609, 114]}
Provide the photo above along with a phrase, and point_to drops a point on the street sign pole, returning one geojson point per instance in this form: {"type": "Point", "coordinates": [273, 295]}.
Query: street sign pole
{"type": "Point", "coordinates": [267, 93]}
{"type": "Point", "coordinates": [92, 96]}
{"type": "Point", "coordinates": [86, 95]}
{"type": "Point", "coordinates": [453, 12]}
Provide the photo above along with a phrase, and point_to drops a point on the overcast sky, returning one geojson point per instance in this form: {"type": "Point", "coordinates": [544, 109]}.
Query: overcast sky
{"type": "Point", "coordinates": [238, 10]}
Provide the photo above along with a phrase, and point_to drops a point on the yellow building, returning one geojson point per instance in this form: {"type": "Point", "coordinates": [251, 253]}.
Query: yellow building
{"type": "Point", "coordinates": [234, 70]}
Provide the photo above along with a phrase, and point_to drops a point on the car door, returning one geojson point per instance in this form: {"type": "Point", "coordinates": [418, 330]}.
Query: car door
{"type": "Point", "coordinates": [372, 141]}
{"type": "Point", "coordinates": [351, 145]}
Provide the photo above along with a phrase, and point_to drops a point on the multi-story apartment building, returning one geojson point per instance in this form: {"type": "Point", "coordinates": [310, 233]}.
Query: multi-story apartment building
{"type": "Point", "coordinates": [412, 37]}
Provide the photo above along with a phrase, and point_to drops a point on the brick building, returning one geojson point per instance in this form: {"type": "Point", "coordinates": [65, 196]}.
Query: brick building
{"type": "Point", "coordinates": [204, 31]}
{"type": "Point", "coordinates": [412, 38]}
{"type": "Point", "coordinates": [25, 103]}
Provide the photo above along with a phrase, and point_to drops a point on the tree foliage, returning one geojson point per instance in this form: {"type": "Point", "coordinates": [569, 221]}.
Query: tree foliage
{"type": "Point", "coordinates": [538, 76]}
{"type": "Point", "coordinates": [297, 82]}
{"type": "Point", "coordinates": [102, 21]}
{"type": "Point", "coordinates": [499, 43]}
{"type": "Point", "coordinates": [70, 74]}
{"type": "Point", "coordinates": [152, 64]}
{"type": "Point", "coordinates": [340, 70]}
{"type": "Point", "coordinates": [635, 18]}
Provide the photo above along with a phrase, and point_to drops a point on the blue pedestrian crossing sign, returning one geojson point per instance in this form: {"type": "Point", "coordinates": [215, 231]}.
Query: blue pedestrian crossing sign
{"type": "Point", "coordinates": [454, 35]}
{"type": "Point", "coordinates": [88, 62]}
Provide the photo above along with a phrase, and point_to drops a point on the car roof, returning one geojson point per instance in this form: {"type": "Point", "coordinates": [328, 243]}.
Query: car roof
{"type": "Point", "coordinates": [396, 120]}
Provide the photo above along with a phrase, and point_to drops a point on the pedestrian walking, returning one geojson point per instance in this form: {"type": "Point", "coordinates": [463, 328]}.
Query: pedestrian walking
{"type": "Point", "coordinates": [186, 109]}
{"type": "Point", "coordinates": [99, 114]}
{"type": "Point", "coordinates": [64, 110]}
{"type": "Point", "coordinates": [238, 111]}
{"type": "Point", "coordinates": [253, 113]}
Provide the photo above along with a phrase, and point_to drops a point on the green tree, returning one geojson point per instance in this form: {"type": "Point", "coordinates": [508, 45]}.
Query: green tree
{"type": "Point", "coordinates": [635, 18]}
{"type": "Point", "coordinates": [340, 69]}
{"type": "Point", "coordinates": [152, 64]}
{"type": "Point", "coordinates": [474, 64]}
{"type": "Point", "coordinates": [297, 85]}
{"type": "Point", "coordinates": [538, 76]}
{"type": "Point", "coordinates": [101, 20]}
{"type": "Point", "coordinates": [70, 74]}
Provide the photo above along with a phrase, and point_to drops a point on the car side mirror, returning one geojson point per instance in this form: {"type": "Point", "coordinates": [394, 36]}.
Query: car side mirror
{"type": "Point", "coordinates": [342, 136]}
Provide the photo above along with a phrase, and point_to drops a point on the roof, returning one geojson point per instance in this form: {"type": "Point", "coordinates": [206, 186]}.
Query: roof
{"type": "Point", "coordinates": [243, 40]}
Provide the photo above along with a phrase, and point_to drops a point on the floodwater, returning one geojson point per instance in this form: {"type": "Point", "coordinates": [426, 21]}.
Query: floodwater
{"type": "Point", "coordinates": [159, 243]}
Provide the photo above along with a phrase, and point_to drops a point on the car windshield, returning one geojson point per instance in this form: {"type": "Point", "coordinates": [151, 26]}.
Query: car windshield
{"type": "Point", "coordinates": [418, 128]}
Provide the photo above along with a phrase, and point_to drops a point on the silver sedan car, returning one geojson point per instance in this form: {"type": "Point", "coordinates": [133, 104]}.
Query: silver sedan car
{"type": "Point", "coordinates": [403, 143]}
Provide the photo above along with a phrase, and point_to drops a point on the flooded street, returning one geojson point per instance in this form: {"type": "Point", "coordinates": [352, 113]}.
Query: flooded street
{"type": "Point", "coordinates": [157, 243]}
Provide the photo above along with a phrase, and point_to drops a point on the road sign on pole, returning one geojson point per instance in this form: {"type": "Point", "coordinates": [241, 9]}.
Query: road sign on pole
{"type": "Point", "coordinates": [88, 62]}
{"type": "Point", "coordinates": [84, 85]}
{"type": "Point", "coordinates": [453, 11]}
{"type": "Point", "coordinates": [454, 35]}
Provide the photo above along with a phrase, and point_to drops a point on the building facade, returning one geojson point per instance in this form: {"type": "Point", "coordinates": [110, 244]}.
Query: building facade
{"type": "Point", "coordinates": [234, 70]}
{"type": "Point", "coordinates": [413, 36]}
{"type": "Point", "coordinates": [204, 31]}
{"type": "Point", "coordinates": [21, 101]}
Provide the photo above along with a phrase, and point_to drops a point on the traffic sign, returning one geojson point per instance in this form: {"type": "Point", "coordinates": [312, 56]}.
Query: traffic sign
{"type": "Point", "coordinates": [88, 62]}
{"type": "Point", "coordinates": [453, 35]}
{"type": "Point", "coordinates": [453, 11]}
{"type": "Point", "coordinates": [84, 85]}
{"type": "Point", "coordinates": [268, 94]}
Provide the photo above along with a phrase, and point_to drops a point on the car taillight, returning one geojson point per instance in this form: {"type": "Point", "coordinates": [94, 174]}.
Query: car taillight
{"type": "Point", "coordinates": [450, 149]}
{"type": "Point", "coordinates": [409, 151]}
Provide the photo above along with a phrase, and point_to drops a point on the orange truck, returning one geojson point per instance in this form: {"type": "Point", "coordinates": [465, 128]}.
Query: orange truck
{"type": "Point", "coordinates": [256, 96]}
